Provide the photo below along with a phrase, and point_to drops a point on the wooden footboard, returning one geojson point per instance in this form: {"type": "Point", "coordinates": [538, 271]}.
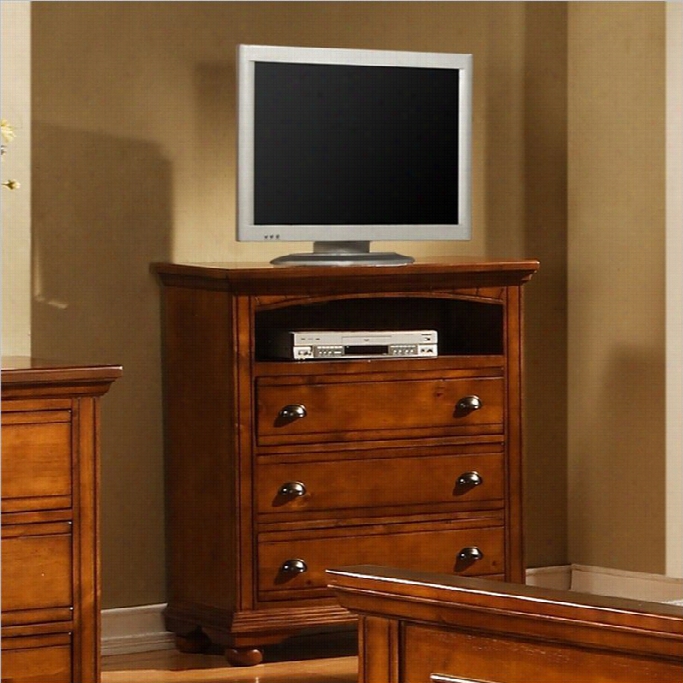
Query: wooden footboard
{"type": "Point", "coordinates": [426, 628]}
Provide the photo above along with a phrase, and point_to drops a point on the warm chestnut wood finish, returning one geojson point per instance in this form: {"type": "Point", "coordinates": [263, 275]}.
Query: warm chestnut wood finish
{"type": "Point", "coordinates": [50, 542]}
{"type": "Point", "coordinates": [384, 464]}
{"type": "Point", "coordinates": [417, 627]}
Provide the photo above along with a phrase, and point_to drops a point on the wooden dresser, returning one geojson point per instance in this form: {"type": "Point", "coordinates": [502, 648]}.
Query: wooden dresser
{"type": "Point", "coordinates": [278, 469]}
{"type": "Point", "coordinates": [50, 551]}
{"type": "Point", "coordinates": [420, 627]}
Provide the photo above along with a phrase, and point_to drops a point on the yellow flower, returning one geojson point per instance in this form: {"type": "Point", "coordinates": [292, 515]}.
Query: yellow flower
{"type": "Point", "coordinates": [7, 131]}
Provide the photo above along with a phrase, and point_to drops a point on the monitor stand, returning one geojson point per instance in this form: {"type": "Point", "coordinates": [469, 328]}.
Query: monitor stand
{"type": "Point", "coordinates": [343, 254]}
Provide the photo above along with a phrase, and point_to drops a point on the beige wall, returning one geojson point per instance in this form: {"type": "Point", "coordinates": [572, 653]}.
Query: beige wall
{"type": "Point", "coordinates": [674, 290]}
{"type": "Point", "coordinates": [134, 162]}
{"type": "Point", "coordinates": [616, 257]}
{"type": "Point", "coordinates": [16, 165]}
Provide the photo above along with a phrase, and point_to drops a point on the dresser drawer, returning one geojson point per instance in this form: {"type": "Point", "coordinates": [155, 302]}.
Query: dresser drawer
{"type": "Point", "coordinates": [37, 659]}
{"type": "Point", "coordinates": [294, 566]}
{"type": "Point", "coordinates": [351, 484]}
{"type": "Point", "coordinates": [36, 460]}
{"type": "Point", "coordinates": [36, 567]}
{"type": "Point", "coordinates": [350, 410]}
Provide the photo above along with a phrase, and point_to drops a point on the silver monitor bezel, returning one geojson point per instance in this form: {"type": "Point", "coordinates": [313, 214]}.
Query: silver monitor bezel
{"type": "Point", "coordinates": [249, 55]}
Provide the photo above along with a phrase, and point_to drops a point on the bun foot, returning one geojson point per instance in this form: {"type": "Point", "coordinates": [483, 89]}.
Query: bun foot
{"type": "Point", "coordinates": [247, 656]}
{"type": "Point", "coordinates": [195, 642]}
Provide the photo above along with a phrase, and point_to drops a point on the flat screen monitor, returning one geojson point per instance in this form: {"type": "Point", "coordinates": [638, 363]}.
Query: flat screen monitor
{"type": "Point", "coordinates": [345, 147]}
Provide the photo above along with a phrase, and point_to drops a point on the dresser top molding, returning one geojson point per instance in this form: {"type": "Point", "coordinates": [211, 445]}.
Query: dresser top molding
{"type": "Point", "coordinates": [20, 372]}
{"type": "Point", "coordinates": [434, 274]}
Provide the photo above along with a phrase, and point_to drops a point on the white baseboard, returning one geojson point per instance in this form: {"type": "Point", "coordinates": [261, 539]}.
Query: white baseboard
{"type": "Point", "coordinates": [126, 630]}
{"type": "Point", "coordinates": [559, 577]}
{"type": "Point", "coordinates": [134, 629]}
{"type": "Point", "coordinates": [623, 584]}
{"type": "Point", "coordinates": [605, 581]}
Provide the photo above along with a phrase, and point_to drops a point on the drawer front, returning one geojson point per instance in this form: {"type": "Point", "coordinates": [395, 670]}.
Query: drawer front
{"type": "Point", "coordinates": [352, 410]}
{"type": "Point", "coordinates": [36, 460]}
{"type": "Point", "coordinates": [293, 567]}
{"type": "Point", "coordinates": [37, 659]}
{"type": "Point", "coordinates": [36, 567]}
{"type": "Point", "coordinates": [288, 488]}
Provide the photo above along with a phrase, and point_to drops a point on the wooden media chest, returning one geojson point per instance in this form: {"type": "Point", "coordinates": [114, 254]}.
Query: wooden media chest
{"type": "Point", "coordinates": [277, 469]}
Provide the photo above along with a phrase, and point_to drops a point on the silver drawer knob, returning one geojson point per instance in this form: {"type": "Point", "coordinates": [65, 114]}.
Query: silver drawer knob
{"type": "Point", "coordinates": [470, 554]}
{"type": "Point", "coordinates": [469, 480]}
{"type": "Point", "coordinates": [295, 566]}
{"type": "Point", "coordinates": [293, 412]}
{"type": "Point", "coordinates": [468, 404]}
{"type": "Point", "coordinates": [292, 489]}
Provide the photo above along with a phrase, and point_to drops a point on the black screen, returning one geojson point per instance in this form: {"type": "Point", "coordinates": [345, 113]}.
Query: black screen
{"type": "Point", "coordinates": [355, 145]}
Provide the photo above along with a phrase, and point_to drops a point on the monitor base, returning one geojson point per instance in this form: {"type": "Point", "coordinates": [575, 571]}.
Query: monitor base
{"type": "Point", "coordinates": [343, 254]}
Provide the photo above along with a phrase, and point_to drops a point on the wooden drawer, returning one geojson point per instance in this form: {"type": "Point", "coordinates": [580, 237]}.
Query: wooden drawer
{"type": "Point", "coordinates": [393, 409]}
{"type": "Point", "coordinates": [350, 484]}
{"type": "Point", "coordinates": [37, 659]}
{"type": "Point", "coordinates": [425, 548]}
{"type": "Point", "coordinates": [36, 460]}
{"type": "Point", "coordinates": [36, 568]}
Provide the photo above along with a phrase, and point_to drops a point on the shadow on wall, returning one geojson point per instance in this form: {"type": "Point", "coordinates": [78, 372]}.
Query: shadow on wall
{"type": "Point", "coordinates": [101, 213]}
{"type": "Point", "coordinates": [545, 237]}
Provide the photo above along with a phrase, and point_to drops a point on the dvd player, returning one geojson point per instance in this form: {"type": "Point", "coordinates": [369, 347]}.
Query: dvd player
{"type": "Point", "coordinates": [332, 344]}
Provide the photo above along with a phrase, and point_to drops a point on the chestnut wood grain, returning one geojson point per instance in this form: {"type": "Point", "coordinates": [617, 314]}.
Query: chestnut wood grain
{"type": "Point", "coordinates": [421, 627]}
{"type": "Point", "coordinates": [50, 527]}
{"type": "Point", "coordinates": [246, 564]}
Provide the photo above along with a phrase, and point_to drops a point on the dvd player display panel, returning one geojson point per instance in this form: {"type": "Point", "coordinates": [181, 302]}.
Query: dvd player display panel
{"type": "Point", "coordinates": [322, 345]}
